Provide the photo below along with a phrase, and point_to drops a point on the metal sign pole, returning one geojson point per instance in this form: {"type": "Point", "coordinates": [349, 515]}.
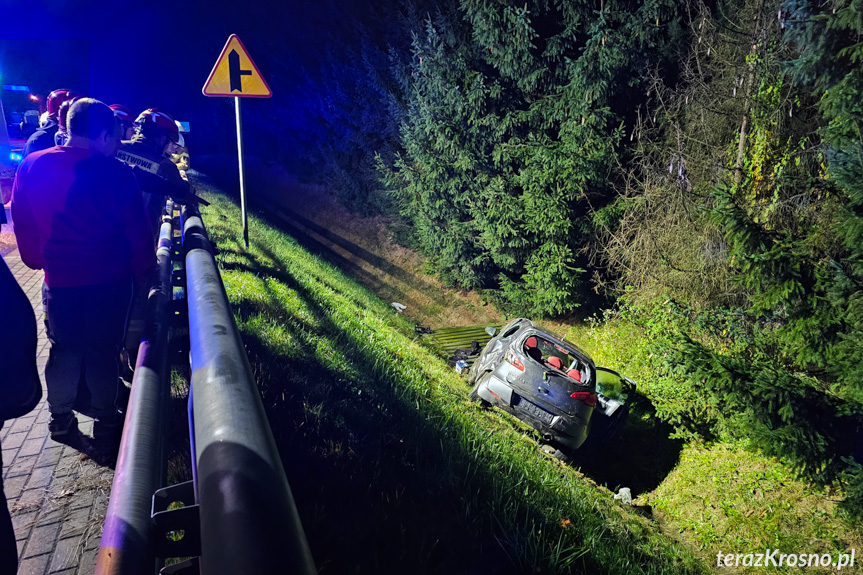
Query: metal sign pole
{"type": "Point", "coordinates": [242, 176]}
{"type": "Point", "coordinates": [236, 75]}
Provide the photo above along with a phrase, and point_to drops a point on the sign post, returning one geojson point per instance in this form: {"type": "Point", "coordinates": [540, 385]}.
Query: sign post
{"type": "Point", "coordinates": [242, 172]}
{"type": "Point", "coordinates": [235, 75]}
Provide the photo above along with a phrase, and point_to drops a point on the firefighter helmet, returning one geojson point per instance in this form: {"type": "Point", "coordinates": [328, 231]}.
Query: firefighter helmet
{"type": "Point", "coordinates": [123, 113]}
{"type": "Point", "coordinates": [63, 113]}
{"type": "Point", "coordinates": [154, 121]}
{"type": "Point", "coordinates": [57, 97]}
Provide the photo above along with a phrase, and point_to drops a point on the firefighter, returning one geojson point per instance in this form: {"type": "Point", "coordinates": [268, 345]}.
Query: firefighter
{"type": "Point", "coordinates": [127, 121]}
{"type": "Point", "coordinates": [180, 154]}
{"type": "Point", "coordinates": [62, 134]}
{"type": "Point", "coordinates": [43, 138]}
{"type": "Point", "coordinates": [155, 132]}
{"type": "Point", "coordinates": [157, 175]}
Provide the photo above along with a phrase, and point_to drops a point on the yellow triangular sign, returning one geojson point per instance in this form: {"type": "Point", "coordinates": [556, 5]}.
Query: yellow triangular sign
{"type": "Point", "coordinates": [235, 74]}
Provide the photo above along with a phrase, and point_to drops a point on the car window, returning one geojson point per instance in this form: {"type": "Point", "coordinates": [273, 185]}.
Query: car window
{"type": "Point", "coordinates": [511, 331]}
{"type": "Point", "coordinates": [550, 354]}
{"type": "Point", "coordinates": [610, 384]}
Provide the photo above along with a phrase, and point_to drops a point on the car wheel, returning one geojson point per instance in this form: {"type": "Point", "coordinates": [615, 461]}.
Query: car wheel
{"type": "Point", "coordinates": [471, 373]}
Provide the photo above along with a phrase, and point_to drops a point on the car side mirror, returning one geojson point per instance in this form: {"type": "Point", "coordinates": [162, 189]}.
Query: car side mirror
{"type": "Point", "coordinates": [490, 331]}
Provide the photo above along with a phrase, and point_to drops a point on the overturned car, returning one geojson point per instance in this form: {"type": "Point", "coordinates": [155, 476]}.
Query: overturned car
{"type": "Point", "coordinates": [551, 384]}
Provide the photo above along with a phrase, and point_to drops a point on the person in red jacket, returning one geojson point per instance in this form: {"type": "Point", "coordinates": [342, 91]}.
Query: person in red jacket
{"type": "Point", "coordinates": [80, 216]}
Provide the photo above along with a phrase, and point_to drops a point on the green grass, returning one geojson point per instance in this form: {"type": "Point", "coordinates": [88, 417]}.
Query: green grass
{"type": "Point", "coordinates": [392, 468]}
{"type": "Point", "coordinates": [718, 497]}
{"type": "Point", "coordinates": [747, 503]}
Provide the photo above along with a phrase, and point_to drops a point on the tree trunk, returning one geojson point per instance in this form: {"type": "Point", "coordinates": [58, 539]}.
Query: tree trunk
{"type": "Point", "coordinates": [758, 38]}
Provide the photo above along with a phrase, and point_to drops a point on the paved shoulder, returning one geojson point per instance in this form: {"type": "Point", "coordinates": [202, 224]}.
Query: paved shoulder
{"type": "Point", "coordinates": [57, 495]}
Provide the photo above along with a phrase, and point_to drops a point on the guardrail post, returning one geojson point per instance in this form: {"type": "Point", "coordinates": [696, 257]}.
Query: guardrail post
{"type": "Point", "coordinates": [249, 522]}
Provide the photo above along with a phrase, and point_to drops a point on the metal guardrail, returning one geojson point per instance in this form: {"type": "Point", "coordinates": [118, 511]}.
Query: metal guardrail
{"type": "Point", "coordinates": [249, 522]}
{"type": "Point", "coordinates": [237, 515]}
{"type": "Point", "coordinates": [140, 469]}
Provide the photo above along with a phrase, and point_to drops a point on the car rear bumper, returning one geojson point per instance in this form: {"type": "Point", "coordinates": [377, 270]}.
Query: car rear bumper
{"type": "Point", "coordinates": [566, 430]}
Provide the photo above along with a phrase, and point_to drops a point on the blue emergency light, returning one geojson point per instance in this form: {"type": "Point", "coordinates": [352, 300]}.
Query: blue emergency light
{"type": "Point", "coordinates": [16, 88]}
{"type": "Point", "coordinates": [15, 157]}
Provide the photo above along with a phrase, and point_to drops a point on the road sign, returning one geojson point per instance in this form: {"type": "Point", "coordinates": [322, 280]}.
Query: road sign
{"type": "Point", "coordinates": [235, 74]}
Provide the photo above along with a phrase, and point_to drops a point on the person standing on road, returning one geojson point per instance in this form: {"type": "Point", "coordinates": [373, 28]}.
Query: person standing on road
{"type": "Point", "coordinates": [20, 389]}
{"type": "Point", "coordinates": [157, 175]}
{"type": "Point", "coordinates": [155, 133]}
{"type": "Point", "coordinates": [43, 138]}
{"type": "Point", "coordinates": [79, 215]}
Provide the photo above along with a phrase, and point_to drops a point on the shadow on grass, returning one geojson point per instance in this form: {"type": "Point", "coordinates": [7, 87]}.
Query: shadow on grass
{"type": "Point", "coordinates": [370, 481]}
{"type": "Point", "coordinates": [301, 229]}
{"type": "Point", "coordinates": [380, 485]}
{"type": "Point", "coordinates": [236, 250]}
{"type": "Point", "coordinates": [380, 263]}
{"type": "Point", "coordinates": [320, 249]}
{"type": "Point", "coordinates": [640, 457]}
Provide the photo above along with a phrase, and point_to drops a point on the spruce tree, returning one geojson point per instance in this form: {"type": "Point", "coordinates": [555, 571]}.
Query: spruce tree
{"type": "Point", "coordinates": [510, 134]}
{"type": "Point", "coordinates": [758, 170]}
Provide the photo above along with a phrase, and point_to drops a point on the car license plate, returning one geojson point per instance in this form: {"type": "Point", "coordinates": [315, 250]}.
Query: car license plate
{"type": "Point", "coordinates": [536, 411]}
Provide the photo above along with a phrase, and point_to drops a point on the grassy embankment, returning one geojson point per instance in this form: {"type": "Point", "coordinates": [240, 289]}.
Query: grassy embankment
{"type": "Point", "coordinates": [393, 470]}
{"type": "Point", "coordinates": [714, 497]}
{"type": "Point", "coordinates": [720, 497]}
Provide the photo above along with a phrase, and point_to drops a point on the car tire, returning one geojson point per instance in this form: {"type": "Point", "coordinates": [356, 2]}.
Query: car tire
{"type": "Point", "coordinates": [471, 373]}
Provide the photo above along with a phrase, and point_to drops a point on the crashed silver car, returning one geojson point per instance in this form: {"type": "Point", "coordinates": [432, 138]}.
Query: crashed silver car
{"type": "Point", "coordinates": [551, 384]}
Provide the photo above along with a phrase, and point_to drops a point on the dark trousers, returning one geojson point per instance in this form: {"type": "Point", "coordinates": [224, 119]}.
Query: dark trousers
{"type": "Point", "coordinates": [86, 326]}
{"type": "Point", "coordinates": [8, 548]}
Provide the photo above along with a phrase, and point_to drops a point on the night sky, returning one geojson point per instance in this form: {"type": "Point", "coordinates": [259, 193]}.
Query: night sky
{"type": "Point", "coordinates": [159, 53]}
